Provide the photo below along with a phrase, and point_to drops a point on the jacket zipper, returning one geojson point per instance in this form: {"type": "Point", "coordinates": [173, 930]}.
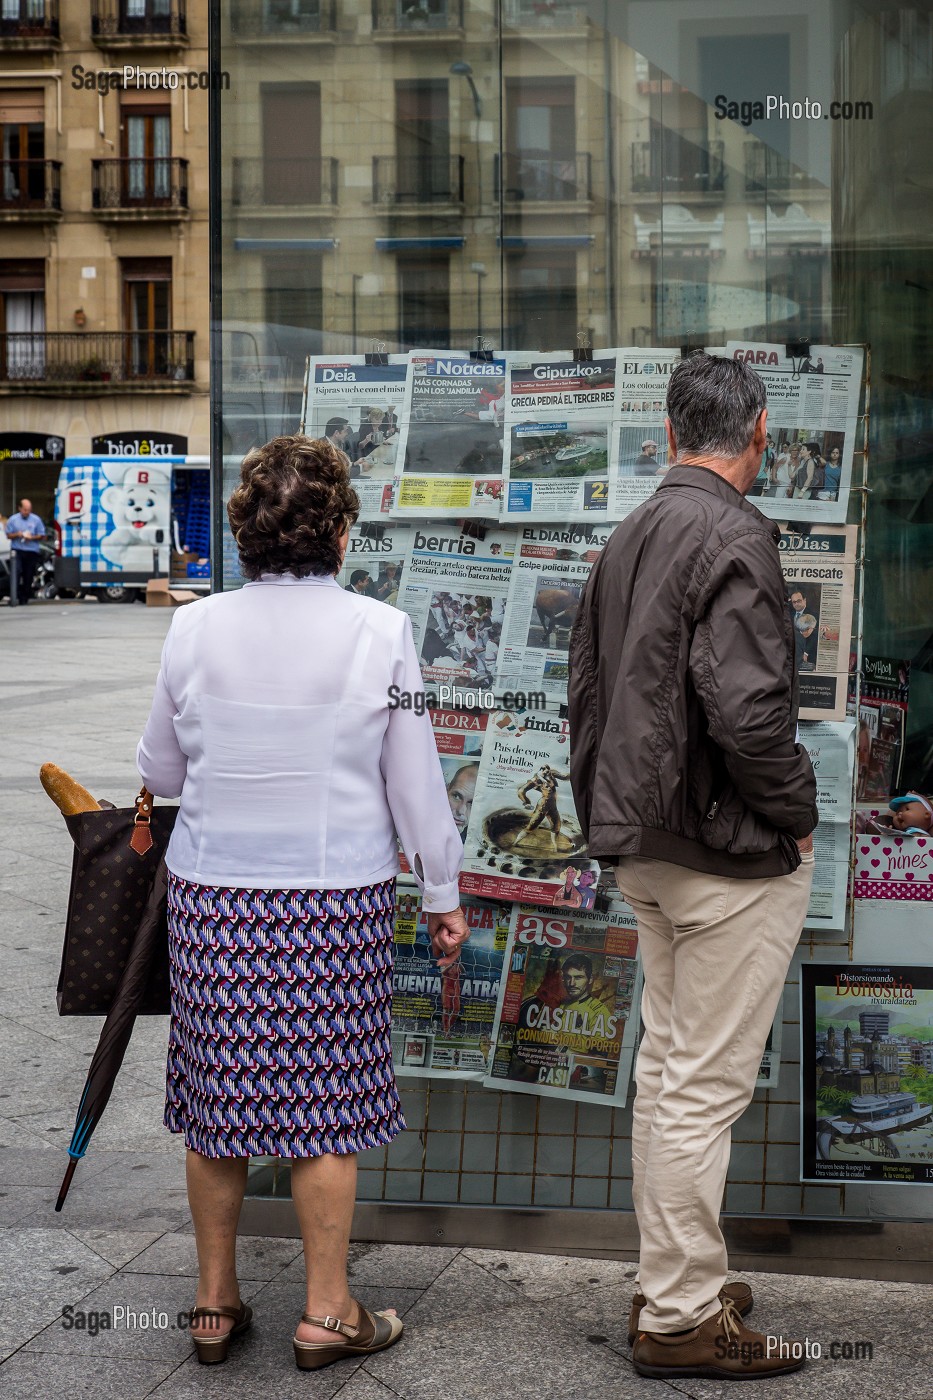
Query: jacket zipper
{"type": "Point", "coordinates": [712, 811]}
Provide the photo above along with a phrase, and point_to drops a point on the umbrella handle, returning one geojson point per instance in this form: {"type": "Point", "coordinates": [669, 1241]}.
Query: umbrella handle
{"type": "Point", "coordinates": [66, 1182]}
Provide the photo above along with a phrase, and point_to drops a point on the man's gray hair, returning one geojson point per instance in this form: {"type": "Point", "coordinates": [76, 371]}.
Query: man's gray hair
{"type": "Point", "coordinates": [713, 404]}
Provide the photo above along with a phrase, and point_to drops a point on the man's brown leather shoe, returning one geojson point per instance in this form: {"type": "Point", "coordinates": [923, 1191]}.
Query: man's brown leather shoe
{"type": "Point", "coordinates": [738, 1293]}
{"type": "Point", "coordinates": [721, 1347]}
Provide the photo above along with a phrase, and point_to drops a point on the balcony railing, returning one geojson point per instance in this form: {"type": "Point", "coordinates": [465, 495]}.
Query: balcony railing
{"type": "Point", "coordinates": [417, 16]}
{"type": "Point", "coordinates": [284, 180]}
{"type": "Point", "coordinates": [140, 183]}
{"type": "Point", "coordinates": [29, 20]}
{"type": "Point", "coordinates": [138, 19]}
{"type": "Point", "coordinates": [284, 19]}
{"type": "Point", "coordinates": [31, 185]}
{"type": "Point", "coordinates": [682, 166]}
{"type": "Point", "coordinates": [97, 357]}
{"type": "Point", "coordinates": [768, 172]}
{"type": "Point", "coordinates": [418, 180]}
{"type": "Point", "coordinates": [545, 177]}
{"type": "Point", "coordinates": [542, 14]}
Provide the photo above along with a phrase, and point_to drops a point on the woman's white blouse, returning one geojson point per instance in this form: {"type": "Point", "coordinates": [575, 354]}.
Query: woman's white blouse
{"type": "Point", "coordinates": [271, 720]}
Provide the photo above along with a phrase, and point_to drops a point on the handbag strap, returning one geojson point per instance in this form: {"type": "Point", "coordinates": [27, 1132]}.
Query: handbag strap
{"type": "Point", "coordinates": [141, 839]}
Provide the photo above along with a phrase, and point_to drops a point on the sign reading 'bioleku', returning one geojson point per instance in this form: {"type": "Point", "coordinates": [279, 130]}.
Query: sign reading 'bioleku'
{"type": "Point", "coordinates": [139, 444]}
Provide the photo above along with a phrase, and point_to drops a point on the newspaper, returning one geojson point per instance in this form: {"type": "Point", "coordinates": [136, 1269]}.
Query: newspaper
{"type": "Point", "coordinates": [867, 1073]}
{"type": "Point", "coordinates": [451, 440]}
{"type": "Point", "coordinates": [558, 416]}
{"type": "Point", "coordinates": [770, 1066]}
{"type": "Point", "coordinates": [831, 746]}
{"type": "Point", "coordinates": [455, 591]}
{"type": "Point", "coordinates": [882, 729]}
{"type": "Point", "coordinates": [819, 579]}
{"type": "Point", "coordinates": [374, 563]}
{"type": "Point", "coordinates": [552, 564]}
{"type": "Point", "coordinates": [523, 840]}
{"type": "Point", "coordinates": [442, 1020]}
{"type": "Point", "coordinates": [367, 401]}
{"type": "Point", "coordinates": [567, 1016]}
{"type": "Point", "coordinates": [806, 469]}
{"type": "Point", "coordinates": [639, 453]}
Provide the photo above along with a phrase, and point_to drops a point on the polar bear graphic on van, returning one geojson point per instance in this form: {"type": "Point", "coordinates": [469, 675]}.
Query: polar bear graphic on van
{"type": "Point", "coordinates": [141, 509]}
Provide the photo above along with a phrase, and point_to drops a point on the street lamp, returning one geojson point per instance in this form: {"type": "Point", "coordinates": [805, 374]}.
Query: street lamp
{"type": "Point", "coordinates": [464, 70]}
{"type": "Point", "coordinates": [480, 270]}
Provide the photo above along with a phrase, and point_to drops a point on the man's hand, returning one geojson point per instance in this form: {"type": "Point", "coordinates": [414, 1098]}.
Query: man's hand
{"type": "Point", "coordinates": [805, 844]}
{"type": "Point", "coordinates": [447, 932]}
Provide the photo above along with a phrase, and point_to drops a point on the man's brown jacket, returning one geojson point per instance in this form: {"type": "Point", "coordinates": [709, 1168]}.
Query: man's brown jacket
{"type": "Point", "coordinates": [683, 689]}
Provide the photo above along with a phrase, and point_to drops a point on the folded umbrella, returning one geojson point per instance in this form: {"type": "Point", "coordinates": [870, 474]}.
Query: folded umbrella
{"type": "Point", "coordinates": [115, 955]}
{"type": "Point", "coordinates": [131, 994]}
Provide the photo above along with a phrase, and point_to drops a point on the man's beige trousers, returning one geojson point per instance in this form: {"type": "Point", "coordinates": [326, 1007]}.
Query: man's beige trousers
{"type": "Point", "coordinates": [715, 953]}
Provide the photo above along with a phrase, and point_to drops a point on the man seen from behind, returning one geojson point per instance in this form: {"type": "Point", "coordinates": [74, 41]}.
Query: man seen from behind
{"type": "Point", "coordinates": [688, 778]}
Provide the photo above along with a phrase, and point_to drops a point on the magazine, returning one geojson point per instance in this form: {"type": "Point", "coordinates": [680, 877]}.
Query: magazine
{"type": "Point", "coordinates": [552, 564]}
{"type": "Point", "coordinates": [558, 416]}
{"type": "Point", "coordinates": [867, 1073]}
{"type": "Point", "coordinates": [451, 440]}
{"type": "Point", "coordinates": [813, 400]}
{"type": "Point", "coordinates": [523, 839]}
{"type": "Point", "coordinates": [442, 1020]}
{"type": "Point", "coordinates": [358, 407]}
{"type": "Point", "coordinates": [567, 1016]}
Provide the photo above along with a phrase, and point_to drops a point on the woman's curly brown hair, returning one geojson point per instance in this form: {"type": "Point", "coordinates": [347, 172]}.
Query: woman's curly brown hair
{"type": "Point", "coordinates": [292, 505]}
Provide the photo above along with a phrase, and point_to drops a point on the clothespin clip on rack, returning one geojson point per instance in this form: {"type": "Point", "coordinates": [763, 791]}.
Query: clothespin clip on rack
{"type": "Point", "coordinates": [584, 350]}
{"type": "Point", "coordinates": [377, 356]}
{"type": "Point", "coordinates": [483, 350]}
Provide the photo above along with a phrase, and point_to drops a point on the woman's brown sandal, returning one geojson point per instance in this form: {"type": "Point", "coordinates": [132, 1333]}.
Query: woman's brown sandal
{"type": "Point", "coordinates": [373, 1332]}
{"type": "Point", "coordinates": [210, 1350]}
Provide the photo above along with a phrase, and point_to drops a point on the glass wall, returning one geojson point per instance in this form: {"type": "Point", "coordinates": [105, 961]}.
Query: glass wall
{"type": "Point", "coordinates": [545, 175]}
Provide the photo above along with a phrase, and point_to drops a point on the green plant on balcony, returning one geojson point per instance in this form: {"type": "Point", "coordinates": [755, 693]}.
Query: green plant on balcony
{"type": "Point", "coordinates": [93, 368]}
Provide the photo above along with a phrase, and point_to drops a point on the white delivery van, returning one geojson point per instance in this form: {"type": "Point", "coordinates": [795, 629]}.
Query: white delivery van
{"type": "Point", "coordinates": [120, 521]}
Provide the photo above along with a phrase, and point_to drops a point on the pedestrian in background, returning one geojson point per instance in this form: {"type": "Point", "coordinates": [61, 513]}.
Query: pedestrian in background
{"type": "Point", "coordinates": [688, 778]}
{"type": "Point", "coordinates": [24, 530]}
{"type": "Point", "coordinates": [271, 721]}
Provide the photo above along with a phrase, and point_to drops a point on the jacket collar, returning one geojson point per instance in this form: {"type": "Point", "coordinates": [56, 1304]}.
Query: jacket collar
{"type": "Point", "coordinates": [702, 479]}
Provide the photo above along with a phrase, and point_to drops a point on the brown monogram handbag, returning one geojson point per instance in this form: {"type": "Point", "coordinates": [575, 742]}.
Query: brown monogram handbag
{"type": "Point", "coordinates": [117, 857]}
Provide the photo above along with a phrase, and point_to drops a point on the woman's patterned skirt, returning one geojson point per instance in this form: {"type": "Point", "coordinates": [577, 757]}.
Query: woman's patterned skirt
{"type": "Point", "coordinates": [280, 1039]}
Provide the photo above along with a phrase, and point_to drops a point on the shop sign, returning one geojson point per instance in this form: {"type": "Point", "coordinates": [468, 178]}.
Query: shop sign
{"type": "Point", "coordinates": [133, 443]}
{"type": "Point", "coordinates": [30, 447]}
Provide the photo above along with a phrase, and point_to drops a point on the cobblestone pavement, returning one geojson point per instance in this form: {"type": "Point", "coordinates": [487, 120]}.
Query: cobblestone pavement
{"type": "Point", "coordinates": [75, 684]}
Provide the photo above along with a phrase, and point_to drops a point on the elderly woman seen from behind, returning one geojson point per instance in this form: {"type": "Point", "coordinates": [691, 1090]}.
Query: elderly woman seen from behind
{"type": "Point", "coordinates": [271, 722]}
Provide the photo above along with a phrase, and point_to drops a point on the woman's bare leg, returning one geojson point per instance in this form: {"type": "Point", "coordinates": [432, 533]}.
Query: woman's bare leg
{"type": "Point", "coordinates": [216, 1187]}
{"type": "Point", "coordinates": [324, 1192]}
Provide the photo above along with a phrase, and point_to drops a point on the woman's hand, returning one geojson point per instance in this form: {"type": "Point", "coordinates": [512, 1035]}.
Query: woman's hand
{"type": "Point", "coordinates": [447, 932]}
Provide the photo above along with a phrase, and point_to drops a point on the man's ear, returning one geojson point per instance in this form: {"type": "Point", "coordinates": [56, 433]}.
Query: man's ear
{"type": "Point", "coordinates": [760, 435]}
{"type": "Point", "coordinates": [671, 440]}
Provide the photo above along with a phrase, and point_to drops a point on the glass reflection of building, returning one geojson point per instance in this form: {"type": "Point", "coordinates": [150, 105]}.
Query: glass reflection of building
{"type": "Point", "coordinates": [540, 174]}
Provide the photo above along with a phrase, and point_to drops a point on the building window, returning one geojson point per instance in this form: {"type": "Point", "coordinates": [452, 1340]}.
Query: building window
{"type": "Point", "coordinates": [541, 139]}
{"type": "Point", "coordinates": [22, 318]}
{"type": "Point", "coordinates": [423, 302]}
{"type": "Point", "coordinates": [291, 142]}
{"type": "Point", "coordinates": [147, 315]}
{"type": "Point", "coordinates": [146, 146]}
{"type": "Point", "coordinates": [22, 148]}
{"type": "Point", "coordinates": [146, 15]}
{"type": "Point", "coordinates": [542, 301]}
{"type": "Point", "coordinates": [294, 290]}
{"type": "Point", "coordinates": [422, 142]}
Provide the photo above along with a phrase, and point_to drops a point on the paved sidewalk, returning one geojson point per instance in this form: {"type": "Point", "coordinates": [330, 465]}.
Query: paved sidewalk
{"type": "Point", "coordinates": [75, 685]}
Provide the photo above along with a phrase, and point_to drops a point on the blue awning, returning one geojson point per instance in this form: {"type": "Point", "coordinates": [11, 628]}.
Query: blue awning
{"type": "Point", "coordinates": [407, 245]}
{"type": "Point", "coordinates": [285, 245]}
{"type": "Point", "coordinates": [548, 240]}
